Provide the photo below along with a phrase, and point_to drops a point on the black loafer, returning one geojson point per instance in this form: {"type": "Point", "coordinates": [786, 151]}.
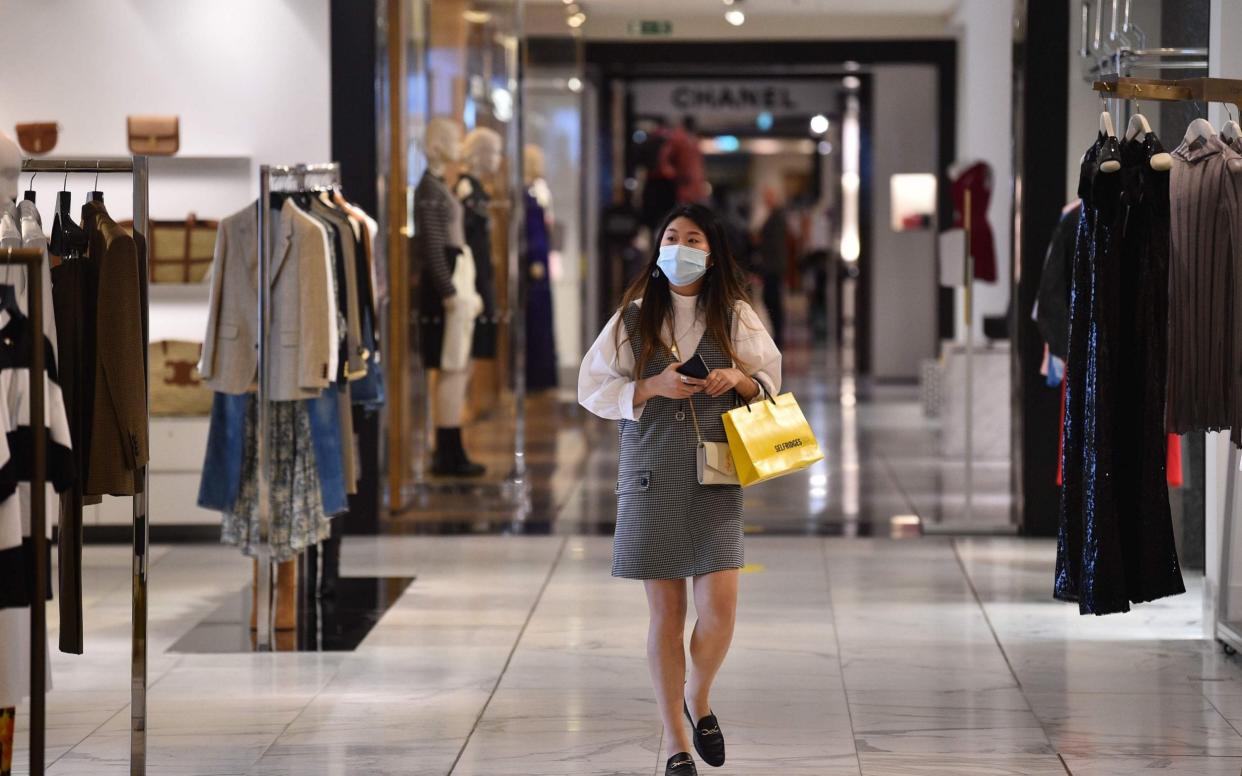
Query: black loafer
{"type": "Point", "coordinates": [708, 740]}
{"type": "Point", "coordinates": [681, 764]}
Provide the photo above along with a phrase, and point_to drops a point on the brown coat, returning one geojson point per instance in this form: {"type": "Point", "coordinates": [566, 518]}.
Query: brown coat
{"type": "Point", "coordinates": [119, 433]}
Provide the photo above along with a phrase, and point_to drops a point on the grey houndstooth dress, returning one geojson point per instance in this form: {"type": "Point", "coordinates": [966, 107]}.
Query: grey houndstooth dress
{"type": "Point", "coordinates": [668, 525]}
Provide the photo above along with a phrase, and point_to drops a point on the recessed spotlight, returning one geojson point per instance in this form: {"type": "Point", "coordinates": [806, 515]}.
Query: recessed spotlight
{"type": "Point", "coordinates": [574, 84]}
{"type": "Point", "coordinates": [735, 17]}
{"type": "Point", "coordinates": [577, 20]}
{"type": "Point", "coordinates": [819, 124]}
{"type": "Point", "coordinates": [851, 82]}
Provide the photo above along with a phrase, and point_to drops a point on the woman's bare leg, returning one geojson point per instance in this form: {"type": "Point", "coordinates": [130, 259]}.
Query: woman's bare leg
{"type": "Point", "coordinates": [715, 600]}
{"type": "Point", "coordinates": [666, 656]}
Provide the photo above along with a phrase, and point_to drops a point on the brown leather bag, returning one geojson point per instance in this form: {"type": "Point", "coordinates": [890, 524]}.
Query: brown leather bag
{"type": "Point", "coordinates": [177, 388]}
{"type": "Point", "coordinates": [154, 135]}
{"type": "Point", "coordinates": [38, 137]}
{"type": "Point", "coordinates": [181, 251]}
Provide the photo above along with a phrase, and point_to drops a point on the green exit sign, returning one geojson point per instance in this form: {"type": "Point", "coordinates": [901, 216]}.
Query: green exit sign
{"type": "Point", "coordinates": [651, 27]}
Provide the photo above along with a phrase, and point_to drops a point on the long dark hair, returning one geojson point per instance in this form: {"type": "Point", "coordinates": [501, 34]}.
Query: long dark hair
{"type": "Point", "coordinates": [723, 287]}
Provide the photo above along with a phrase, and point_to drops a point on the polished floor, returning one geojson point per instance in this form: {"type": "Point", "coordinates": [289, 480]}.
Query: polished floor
{"type": "Point", "coordinates": [513, 653]}
{"type": "Point", "coordinates": [520, 655]}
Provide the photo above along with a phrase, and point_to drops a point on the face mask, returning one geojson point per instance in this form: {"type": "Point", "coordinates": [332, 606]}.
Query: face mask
{"type": "Point", "coordinates": [681, 264]}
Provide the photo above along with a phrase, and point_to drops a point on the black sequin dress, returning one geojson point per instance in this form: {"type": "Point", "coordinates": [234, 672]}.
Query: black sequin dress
{"type": "Point", "coordinates": [1116, 544]}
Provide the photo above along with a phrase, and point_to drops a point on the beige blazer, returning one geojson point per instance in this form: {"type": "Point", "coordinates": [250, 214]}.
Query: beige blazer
{"type": "Point", "coordinates": [303, 352]}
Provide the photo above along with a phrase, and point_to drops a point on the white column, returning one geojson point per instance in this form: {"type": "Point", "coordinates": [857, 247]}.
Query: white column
{"type": "Point", "coordinates": [1225, 61]}
{"type": "Point", "coordinates": [985, 127]}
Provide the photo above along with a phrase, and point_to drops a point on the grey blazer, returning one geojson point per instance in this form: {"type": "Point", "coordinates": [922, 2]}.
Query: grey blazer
{"type": "Point", "coordinates": [304, 341]}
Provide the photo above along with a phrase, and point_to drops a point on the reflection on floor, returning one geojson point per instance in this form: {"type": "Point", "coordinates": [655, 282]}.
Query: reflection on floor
{"type": "Point", "coordinates": [332, 623]}
{"type": "Point", "coordinates": [520, 655]}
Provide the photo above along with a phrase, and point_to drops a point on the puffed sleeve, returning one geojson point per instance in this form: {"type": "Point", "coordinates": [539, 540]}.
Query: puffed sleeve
{"type": "Point", "coordinates": [606, 380]}
{"type": "Point", "coordinates": [757, 354]}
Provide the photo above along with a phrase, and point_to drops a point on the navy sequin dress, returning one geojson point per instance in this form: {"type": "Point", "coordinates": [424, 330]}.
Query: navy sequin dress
{"type": "Point", "coordinates": [1116, 544]}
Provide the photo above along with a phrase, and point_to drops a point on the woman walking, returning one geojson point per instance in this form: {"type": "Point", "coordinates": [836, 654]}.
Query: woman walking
{"type": "Point", "coordinates": [688, 303]}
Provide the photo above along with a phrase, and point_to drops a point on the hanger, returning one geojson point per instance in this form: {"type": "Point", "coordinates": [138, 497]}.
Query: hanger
{"type": "Point", "coordinates": [96, 195]}
{"type": "Point", "coordinates": [1138, 127]}
{"type": "Point", "coordinates": [1231, 132]}
{"type": "Point", "coordinates": [69, 241]}
{"type": "Point", "coordinates": [1200, 130]}
{"type": "Point", "coordinates": [29, 196]}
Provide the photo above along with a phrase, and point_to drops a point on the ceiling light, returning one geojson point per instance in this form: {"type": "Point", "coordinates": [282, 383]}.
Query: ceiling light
{"type": "Point", "coordinates": [819, 124]}
{"type": "Point", "coordinates": [729, 2]}
{"type": "Point", "coordinates": [851, 82]}
{"type": "Point", "coordinates": [825, 148]}
{"type": "Point", "coordinates": [735, 17]}
{"type": "Point", "coordinates": [476, 17]}
{"type": "Point", "coordinates": [577, 20]}
{"type": "Point", "coordinates": [574, 84]}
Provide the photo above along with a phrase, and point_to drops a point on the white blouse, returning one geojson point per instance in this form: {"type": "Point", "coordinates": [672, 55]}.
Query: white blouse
{"type": "Point", "coordinates": [606, 381]}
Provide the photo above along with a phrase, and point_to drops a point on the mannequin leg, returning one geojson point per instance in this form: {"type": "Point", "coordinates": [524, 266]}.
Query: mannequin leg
{"type": "Point", "coordinates": [287, 595]}
{"type": "Point", "coordinates": [450, 457]}
{"type": "Point", "coordinates": [7, 732]}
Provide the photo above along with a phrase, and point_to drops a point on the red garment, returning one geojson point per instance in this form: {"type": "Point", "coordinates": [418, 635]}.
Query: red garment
{"type": "Point", "coordinates": [978, 180]}
{"type": "Point", "coordinates": [1175, 461]}
{"type": "Point", "coordinates": [681, 160]}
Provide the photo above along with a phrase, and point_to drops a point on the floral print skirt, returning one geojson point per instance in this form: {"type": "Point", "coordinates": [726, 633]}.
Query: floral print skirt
{"type": "Point", "coordinates": [297, 516]}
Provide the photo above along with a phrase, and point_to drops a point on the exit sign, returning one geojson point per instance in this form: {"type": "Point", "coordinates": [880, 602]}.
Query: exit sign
{"type": "Point", "coordinates": [651, 27]}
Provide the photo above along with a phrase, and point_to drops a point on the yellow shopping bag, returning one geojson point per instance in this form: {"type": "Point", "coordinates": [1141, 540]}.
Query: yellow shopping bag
{"type": "Point", "coordinates": [769, 439]}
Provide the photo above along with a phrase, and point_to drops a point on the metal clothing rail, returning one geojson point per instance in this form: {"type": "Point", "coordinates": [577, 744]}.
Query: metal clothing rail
{"type": "Point", "coordinates": [32, 260]}
{"type": "Point", "coordinates": [1125, 49]}
{"type": "Point", "coordinates": [268, 173]}
{"type": "Point", "coordinates": [138, 168]}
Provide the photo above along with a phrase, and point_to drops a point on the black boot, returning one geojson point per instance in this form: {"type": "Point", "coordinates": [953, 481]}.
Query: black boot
{"type": "Point", "coordinates": [449, 459]}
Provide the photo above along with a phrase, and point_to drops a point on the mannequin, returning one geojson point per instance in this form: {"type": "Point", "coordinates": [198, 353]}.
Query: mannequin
{"type": "Point", "coordinates": [10, 167]}
{"type": "Point", "coordinates": [448, 304]}
{"type": "Point", "coordinates": [482, 153]}
{"type": "Point", "coordinates": [541, 364]}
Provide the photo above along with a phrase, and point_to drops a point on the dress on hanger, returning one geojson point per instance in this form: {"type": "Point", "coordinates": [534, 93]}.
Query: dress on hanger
{"type": "Point", "coordinates": [1202, 277]}
{"type": "Point", "coordinates": [1116, 542]}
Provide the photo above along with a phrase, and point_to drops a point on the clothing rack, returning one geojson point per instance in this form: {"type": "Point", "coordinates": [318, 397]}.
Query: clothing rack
{"type": "Point", "coordinates": [137, 167]}
{"type": "Point", "coordinates": [1125, 49]}
{"type": "Point", "coordinates": [1229, 91]}
{"type": "Point", "coordinates": [32, 260]}
{"type": "Point", "coordinates": [268, 173]}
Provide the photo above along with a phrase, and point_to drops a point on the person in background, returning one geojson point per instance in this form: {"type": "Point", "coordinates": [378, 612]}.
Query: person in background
{"type": "Point", "coordinates": [773, 246]}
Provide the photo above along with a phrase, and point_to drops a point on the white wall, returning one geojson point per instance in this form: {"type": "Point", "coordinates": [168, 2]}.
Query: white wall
{"type": "Point", "coordinates": [985, 128]}
{"type": "Point", "coordinates": [250, 80]}
{"type": "Point", "coordinates": [903, 264]}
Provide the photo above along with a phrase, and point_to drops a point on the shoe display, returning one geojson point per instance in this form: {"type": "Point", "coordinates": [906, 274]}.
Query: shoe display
{"type": "Point", "coordinates": [708, 740]}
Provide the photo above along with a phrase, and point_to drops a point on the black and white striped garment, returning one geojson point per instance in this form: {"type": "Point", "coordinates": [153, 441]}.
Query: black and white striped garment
{"type": "Point", "coordinates": [17, 458]}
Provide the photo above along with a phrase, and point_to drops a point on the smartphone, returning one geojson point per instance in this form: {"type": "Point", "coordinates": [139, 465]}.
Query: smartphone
{"type": "Point", "coordinates": [696, 367]}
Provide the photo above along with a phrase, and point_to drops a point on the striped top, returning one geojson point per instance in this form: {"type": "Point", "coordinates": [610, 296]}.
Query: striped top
{"type": "Point", "coordinates": [1205, 353]}
{"type": "Point", "coordinates": [17, 453]}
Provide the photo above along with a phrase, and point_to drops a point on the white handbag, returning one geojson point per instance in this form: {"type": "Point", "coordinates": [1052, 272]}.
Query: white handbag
{"type": "Point", "coordinates": [714, 459]}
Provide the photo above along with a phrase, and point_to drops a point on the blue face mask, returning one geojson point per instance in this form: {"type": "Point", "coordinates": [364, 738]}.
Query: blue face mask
{"type": "Point", "coordinates": [681, 264]}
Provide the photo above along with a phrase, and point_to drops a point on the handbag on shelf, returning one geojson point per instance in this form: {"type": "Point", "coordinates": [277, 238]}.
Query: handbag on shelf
{"type": "Point", "coordinates": [38, 137]}
{"type": "Point", "coordinates": [154, 135]}
{"type": "Point", "coordinates": [181, 251]}
{"type": "Point", "coordinates": [177, 389]}
{"type": "Point", "coordinates": [770, 439]}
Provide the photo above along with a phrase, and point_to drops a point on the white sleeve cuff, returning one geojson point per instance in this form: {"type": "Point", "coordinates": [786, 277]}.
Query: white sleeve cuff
{"type": "Point", "coordinates": [626, 401]}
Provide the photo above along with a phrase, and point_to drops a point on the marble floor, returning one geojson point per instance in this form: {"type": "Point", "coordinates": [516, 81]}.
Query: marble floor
{"type": "Point", "coordinates": [520, 655]}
